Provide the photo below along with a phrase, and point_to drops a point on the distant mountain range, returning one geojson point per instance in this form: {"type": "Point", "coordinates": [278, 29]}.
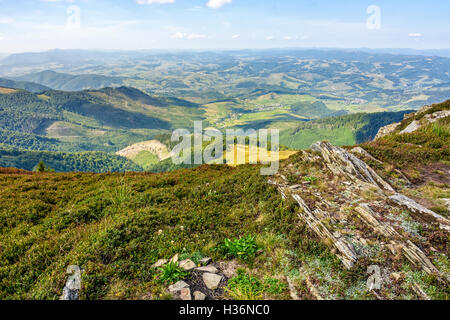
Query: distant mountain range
{"type": "Point", "coordinates": [346, 79]}
{"type": "Point", "coordinates": [68, 82]}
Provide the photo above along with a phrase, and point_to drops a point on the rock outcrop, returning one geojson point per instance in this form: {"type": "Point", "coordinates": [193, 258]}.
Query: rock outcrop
{"type": "Point", "coordinates": [384, 131]}
{"type": "Point", "coordinates": [427, 119]}
{"type": "Point", "coordinates": [72, 288]}
{"type": "Point", "coordinates": [340, 161]}
{"type": "Point", "coordinates": [415, 124]}
{"type": "Point", "coordinates": [420, 211]}
{"type": "Point", "coordinates": [360, 209]}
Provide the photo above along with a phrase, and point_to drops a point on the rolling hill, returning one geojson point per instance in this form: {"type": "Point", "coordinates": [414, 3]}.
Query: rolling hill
{"type": "Point", "coordinates": [25, 85]}
{"type": "Point", "coordinates": [69, 82]}
{"type": "Point", "coordinates": [92, 120]}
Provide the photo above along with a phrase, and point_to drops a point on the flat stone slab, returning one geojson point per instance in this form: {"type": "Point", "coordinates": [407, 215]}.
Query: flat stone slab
{"type": "Point", "coordinates": [199, 296]}
{"type": "Point", "coordinates": [205, 261]}
{"type": "Point", "coordinates": [210, 269]}
{"type": "Point", "coordinates": [159, 263]}
{"type": "Point", "coordinates": [178, 286]}
{"type": "Point", "coordinates": [212, 280]}
{"type": "Point", "coordinates": [187, 265]}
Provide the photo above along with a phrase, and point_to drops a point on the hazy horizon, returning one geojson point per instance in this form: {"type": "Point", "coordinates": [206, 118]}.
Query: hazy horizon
{"type": "Point", "coordinates": [387, 50]}
{"type": "Point", "coordinates": [41, 25]}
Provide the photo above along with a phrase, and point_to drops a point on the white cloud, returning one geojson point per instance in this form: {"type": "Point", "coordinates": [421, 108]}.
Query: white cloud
{"type": "Point", "coordinates": [269, 38]}
{"type": "Point", "coordinates": [236, 36]}
{"type": "Point", "coordinates": [154, 1]}
{"type": "Point", "coordinates": [6, 20]}
{"type": "Point", "coordinates": [179, 35]}
{"type": "Point", "coordinates": [216, 4]}
{"type": "Point", "coordinates": [192, 36]}
{"type": "Point", "coordinates": [71, 1]}
{"type": "Point", "coordinates": [1, 37]}
{"type": "Point", "coordinates": [415, 35]}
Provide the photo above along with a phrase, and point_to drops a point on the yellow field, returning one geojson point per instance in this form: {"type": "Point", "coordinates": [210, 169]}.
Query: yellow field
{"type": "Point", "coordinates": [6, 90]}
{"type": "Point", "coordinates": [265, 156]}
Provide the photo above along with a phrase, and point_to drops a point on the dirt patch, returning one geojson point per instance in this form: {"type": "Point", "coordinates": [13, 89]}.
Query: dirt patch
{"type": "Point", "coordinates": [153, 146]}
{"type": "Point", "coordinates": [436, 172]}
{"type": "Point", "coordinates": [14, 171]}
{"type": "Point", "coordinates": [196, 283]}
{"type": "Point", "coordinates": [229, 269]}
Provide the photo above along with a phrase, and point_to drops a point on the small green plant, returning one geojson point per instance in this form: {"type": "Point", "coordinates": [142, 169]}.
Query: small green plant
{"type": "Point", "coordinates": [171, 273]}
{"type": "Point", "coordinates": [195, 257]}
{"type": "Point", "coordinates": [274, 286]}
{"type": "Point", "coordinates": [310, 179]}
{"type": "Point", "coordinates": [243, 248]}
{"type": "Point", "coordinates": [245, 287]}
{"type": "Point", "coordinates": [120, 193]}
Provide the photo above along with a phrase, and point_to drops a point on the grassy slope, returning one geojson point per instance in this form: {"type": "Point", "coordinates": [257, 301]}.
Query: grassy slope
{"type": "Point", "coordinates": [108, 224]}
{"type": "Point", "coordinates": [431, 143]}
{"type": "Point", "coordinates": [145, 159]}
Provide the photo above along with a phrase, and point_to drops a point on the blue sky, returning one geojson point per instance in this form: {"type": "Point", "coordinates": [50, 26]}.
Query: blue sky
{"type": "Point", "coordinates": [36, 25]}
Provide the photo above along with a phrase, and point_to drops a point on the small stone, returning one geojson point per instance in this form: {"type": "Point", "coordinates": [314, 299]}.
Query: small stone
{"type": "Point", "coordinates": [185, 294]}
{"type": "Point", "coordinates": [205, 261]}
{"type": "Point", "coordinates": [69, 294]}
{"type": "Point", "coordinates": [212, 280]}
{"type": "Point", "coordinates": [447, 201]}
{"type": "Point", "coordinates": [396, 276]}
{"type": "Point", "coordinates": [178, 286]}
{"type": "Point", "coordinates": [199, 296]}
{"type": "Point", "coordinates": [175, 258]}
{"type": "Point", "coordinates": [210, 269]}
{"type": "Point", "coordinates": [187, 265]}
{"type": "Point", "coordinates": [160, 263]}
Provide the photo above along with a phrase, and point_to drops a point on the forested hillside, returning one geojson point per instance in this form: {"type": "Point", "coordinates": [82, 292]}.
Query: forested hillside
{"type": "Point", "coordinates": [65, 162]}
{"type": "Point", "coordinates": [341, 130]}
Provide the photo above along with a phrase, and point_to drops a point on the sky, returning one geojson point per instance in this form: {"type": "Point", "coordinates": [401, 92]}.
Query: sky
{"type": "Point", "coordinates": [39, 25]}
